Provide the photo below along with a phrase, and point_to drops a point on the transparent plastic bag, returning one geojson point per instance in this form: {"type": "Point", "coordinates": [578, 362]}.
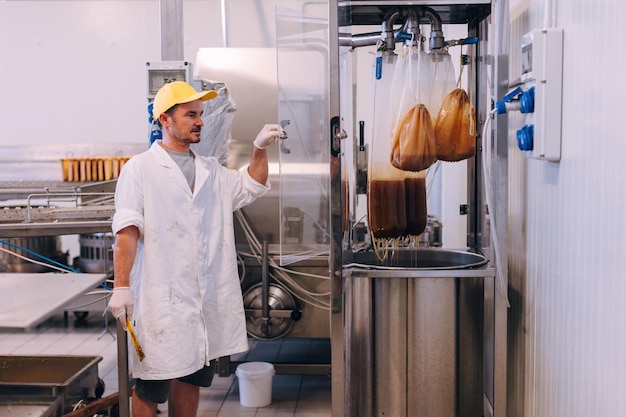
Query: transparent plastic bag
{"type": "Point", "coordinates": [218, 120]}
{"type": "Point", "coordinates": [440, 77]}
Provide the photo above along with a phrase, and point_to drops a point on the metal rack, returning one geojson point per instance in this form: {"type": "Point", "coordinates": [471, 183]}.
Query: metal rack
{"type": "Point", "coordinates": [35, 200]}
{"type": "Point", "coordinates": [49, 208]}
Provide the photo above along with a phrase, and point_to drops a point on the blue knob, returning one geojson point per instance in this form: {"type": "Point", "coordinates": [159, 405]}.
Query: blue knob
{"type": "Point", "coordinates": [525, 137]}
{"type": "Point", "coordinates": [527, 101]}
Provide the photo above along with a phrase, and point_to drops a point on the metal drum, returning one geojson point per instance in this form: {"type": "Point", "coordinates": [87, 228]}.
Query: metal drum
{"type": "Point", "coordinates": [96, 253]}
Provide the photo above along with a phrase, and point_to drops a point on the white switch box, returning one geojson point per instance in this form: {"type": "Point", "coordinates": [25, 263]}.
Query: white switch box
{"type": "Point", "coordinates": [542, 68]}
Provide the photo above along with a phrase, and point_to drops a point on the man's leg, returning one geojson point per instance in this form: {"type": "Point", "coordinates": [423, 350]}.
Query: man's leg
{"type": "Point", "coordinates": [184, 398]}
{"type": "Point", "coordinates": [142, 407]}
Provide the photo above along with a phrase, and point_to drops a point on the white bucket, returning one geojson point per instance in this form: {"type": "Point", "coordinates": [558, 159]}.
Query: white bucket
{"type": "Point", "coordinates": [255, 383]}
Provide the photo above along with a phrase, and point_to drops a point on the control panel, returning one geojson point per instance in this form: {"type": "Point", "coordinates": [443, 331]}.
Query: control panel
{"type": "Point", "coordinates": [163, 72]}
{"type": "Point", "coordinates": [539, 96]}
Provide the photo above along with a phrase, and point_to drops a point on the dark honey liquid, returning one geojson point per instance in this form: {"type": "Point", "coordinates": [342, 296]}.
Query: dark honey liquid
{"type": "Point", "coordinates": [415, 189]}
{"type": "Point", "coordinates": [386, 208]}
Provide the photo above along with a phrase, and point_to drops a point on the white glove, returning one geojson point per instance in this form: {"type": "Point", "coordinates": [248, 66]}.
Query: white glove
{"type": "Point", "coordinates": [268, 135]}
{"type": "Point", "coordinates": [121, 304]}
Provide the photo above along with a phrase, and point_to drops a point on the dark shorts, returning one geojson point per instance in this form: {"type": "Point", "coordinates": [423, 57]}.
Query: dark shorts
{"type": "Point", "coordinates": [158, 390]}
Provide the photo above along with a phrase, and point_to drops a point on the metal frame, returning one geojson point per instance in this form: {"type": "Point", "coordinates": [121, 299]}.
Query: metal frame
{"type": "Point", "coordinates": [495, 310]}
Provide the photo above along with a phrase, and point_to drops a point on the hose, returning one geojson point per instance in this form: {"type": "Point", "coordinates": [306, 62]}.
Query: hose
{"type": "Point", "coordinates": [281, 274]}
{"type": "Point", "coordinates": [490, 206]}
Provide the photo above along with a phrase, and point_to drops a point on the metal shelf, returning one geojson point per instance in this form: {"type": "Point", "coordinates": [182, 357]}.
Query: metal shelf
{"type": "Point", "coordinates": [51, 208]}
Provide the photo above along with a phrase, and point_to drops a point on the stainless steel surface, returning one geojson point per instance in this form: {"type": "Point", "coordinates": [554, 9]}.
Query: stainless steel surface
{"type": "Point", "coordinates": [278, 300]}
{"type": "Point", "coordinates": [423, 260]}
{"type": "Point", "coordinates": [290, 291]}
{"type": "Point", "coordinates": [57, 212]}
{"type": "Point", "coordinates": [35, 201]}
{"type": "Point", "coordinates": [96, 253]}
{"type": "Point", "coordinates": [12, 406]}
{"type": "Point", "coordinates": [419, 326]}
{"type": "Point", "coordinates": [70, 378]}
{"type": "Point", "coordinates": [26, 300]}
{"type": "Point", "coordinates": [254, 93]}
{"type": "Point", "coordinates": [123, 371]}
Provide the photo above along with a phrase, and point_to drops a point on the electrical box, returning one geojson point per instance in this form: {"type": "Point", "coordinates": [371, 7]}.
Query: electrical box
{"type": "Point", "coordinates": [542, 84]}
{"type": "Point", "coordinates": [160, 73]}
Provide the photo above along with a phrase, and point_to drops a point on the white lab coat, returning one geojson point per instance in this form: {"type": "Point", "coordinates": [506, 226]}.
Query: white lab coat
{"type": "Point", "coordinates": [185, 283]}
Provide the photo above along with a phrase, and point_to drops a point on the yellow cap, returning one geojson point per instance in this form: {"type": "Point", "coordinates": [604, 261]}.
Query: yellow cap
{"type": "Point", "coordinates": [177, 92]}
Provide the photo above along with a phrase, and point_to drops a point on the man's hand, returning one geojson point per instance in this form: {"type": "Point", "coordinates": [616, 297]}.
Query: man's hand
{"type": "Point", "coordinates": [268, 135]}
{"type": "Point", "coordinates": [121, 304]}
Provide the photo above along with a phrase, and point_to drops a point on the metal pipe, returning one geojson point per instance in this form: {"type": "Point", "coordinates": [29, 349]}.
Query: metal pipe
{"type": "Point", "coordinates": [171, 16]}
{"type": "Point", "coordinates": [122, 371]}
{"type": "Point", "coordinates": [265, 291]}
{"type": "Point", "coordinates": [224, 23]}
{"type": "Point", "coordinates": [437, 40]}
{"type": "Point", "coordinates": [387, 35]}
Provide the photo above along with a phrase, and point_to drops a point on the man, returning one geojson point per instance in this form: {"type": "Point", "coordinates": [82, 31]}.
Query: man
{"type": "Point", "coordinates": [174, 257]}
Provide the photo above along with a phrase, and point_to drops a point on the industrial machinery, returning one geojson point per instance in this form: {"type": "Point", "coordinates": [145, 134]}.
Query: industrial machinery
{"type": "Point", "coordinates": [414, 330]}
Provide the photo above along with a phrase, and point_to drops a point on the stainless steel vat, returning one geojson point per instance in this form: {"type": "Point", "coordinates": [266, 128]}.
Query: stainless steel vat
{"type": "Point", "coordinates": [413, 332]}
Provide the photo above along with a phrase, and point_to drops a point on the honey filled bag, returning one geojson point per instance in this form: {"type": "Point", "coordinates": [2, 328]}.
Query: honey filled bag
{"type": "Point", "coordinates": [455, 127]}
{"type": "Point", "coordinates": [413, 145]}
{"type": "Point", "coordinates": [385, 187]}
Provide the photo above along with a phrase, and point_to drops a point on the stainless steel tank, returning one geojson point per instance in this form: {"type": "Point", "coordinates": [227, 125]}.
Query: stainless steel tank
{"type": "Point", "coordinates": [413, 339]}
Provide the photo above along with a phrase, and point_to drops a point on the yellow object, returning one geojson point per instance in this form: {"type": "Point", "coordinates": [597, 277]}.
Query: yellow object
{"type": "Point", "coordinates": [133, 337]}
{"type": "Point", "coordinates": [177, 92]}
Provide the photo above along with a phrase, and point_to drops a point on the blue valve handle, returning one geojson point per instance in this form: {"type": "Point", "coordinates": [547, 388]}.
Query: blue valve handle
{"type": "Point", "coordinates": [469, 41]}
{"type": "Point", "coordinates": [525, 137]}
{"type": "Point", "coordinates": [512, 94]}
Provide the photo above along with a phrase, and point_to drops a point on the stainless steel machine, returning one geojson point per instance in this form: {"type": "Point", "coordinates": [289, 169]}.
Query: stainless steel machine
{"type": "Point", "coordinates": [422, 333]}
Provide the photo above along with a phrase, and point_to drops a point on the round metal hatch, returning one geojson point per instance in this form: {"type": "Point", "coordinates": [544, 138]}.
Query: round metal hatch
{"type": "Point", "coordinates": [279, 299]}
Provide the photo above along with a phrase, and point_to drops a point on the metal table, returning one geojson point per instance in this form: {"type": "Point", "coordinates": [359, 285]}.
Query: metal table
{"type": "Point", "coordinates": [26, 300]}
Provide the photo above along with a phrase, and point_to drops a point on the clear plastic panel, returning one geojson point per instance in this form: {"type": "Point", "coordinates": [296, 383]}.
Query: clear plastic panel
{"type": "Point", "coordinates": [303, 109]}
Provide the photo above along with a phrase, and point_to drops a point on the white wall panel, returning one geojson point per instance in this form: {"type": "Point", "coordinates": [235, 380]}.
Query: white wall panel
{"type": "Point", "coordinates": [566, 226]}
{"type": "Point", "coordinates": [73, 71]}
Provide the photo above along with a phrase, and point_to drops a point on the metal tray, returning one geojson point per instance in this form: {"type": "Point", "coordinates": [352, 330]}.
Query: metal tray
{"type": "Point", "coordinates": [30, 407]}
{"type": "Point", "coordinates": [68, 378]}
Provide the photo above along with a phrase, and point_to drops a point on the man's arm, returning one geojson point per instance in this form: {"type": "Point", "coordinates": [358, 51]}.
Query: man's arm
{"type": "Point", "coordinates": [124, 252]}
{"type": "Point", "coordinates": [258, 168]}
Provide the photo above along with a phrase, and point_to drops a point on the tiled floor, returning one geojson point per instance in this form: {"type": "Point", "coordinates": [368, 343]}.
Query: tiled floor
{"type": "Point", "coordinates": [292, 395]}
